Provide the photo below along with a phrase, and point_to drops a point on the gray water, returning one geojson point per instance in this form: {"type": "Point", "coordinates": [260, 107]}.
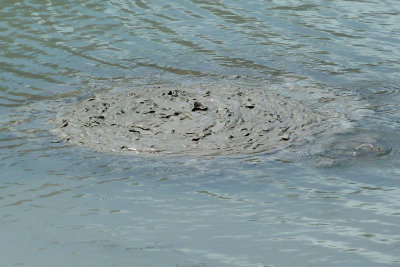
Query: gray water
{"type": "Point", "coordinates": [62, 205]}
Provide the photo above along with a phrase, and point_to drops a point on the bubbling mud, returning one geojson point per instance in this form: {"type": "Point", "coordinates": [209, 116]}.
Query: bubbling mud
{"type": "Point", "coordinates": [201, 120]}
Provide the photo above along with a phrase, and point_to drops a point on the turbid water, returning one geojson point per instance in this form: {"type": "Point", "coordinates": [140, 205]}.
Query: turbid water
{"type": "Point", "coordinates": [281, 147]}
{"type": "Point", "coordinates": [204, 119]}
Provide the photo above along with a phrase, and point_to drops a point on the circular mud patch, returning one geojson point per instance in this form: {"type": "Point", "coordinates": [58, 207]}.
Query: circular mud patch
{"type": "Point", "coordinates": [201, 120]}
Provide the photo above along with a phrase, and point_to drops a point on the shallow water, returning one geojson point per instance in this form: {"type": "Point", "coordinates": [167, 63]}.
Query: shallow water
{"type": "Point", "coordinates": [62, 205]}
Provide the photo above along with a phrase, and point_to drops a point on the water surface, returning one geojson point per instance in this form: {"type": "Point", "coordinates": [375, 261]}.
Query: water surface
{"type": "Point", "coordinates": [62, 205]}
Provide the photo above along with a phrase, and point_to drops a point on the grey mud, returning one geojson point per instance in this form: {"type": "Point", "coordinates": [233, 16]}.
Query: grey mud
{"type": "Point", "coordinates": [202, 119]}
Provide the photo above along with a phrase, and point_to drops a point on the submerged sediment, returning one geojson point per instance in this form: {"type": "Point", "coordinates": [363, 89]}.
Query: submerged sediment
{"type": "Point", "coordinates": [196, 120]}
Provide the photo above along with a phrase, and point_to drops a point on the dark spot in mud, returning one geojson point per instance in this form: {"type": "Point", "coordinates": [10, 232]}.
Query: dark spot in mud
{"type": "Point", "coordinates": [199, 106]}
{"type": "Point", "coordinates": [64, 124]}
{"type": "Point", "coordinates": [285, 137]}
{"type": "Point", "coordinates": [173, 93]}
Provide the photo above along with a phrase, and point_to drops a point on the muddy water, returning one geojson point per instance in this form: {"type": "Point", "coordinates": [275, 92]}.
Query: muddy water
{"type": "Point", "coordinates": [326, 198]}
{"type": "Point", "coordinates": [202, 119]}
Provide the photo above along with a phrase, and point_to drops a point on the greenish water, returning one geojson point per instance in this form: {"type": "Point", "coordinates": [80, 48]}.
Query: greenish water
{"type": "Point", "coordinates": [62, 205]}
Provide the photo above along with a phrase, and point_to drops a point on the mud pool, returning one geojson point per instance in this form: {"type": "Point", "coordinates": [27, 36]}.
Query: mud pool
{"type": "Point", "coordinates": [204, 119]}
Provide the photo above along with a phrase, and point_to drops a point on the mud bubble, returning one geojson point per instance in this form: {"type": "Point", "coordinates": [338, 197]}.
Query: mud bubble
{"type": "Point", "coordinates": [198, 120]}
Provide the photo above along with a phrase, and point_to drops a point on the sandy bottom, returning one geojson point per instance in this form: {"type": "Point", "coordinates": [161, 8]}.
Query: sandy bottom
{"type": "Point", "coordinates": [204, 119]}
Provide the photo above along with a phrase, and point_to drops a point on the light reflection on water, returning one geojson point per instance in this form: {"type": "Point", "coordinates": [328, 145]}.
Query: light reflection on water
{"type": "Point", "coordinates": [230, 211]}
{"type": "Point", "coordinates": [62, 205]}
